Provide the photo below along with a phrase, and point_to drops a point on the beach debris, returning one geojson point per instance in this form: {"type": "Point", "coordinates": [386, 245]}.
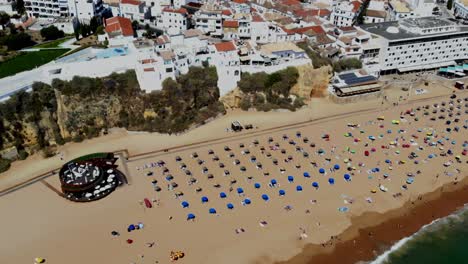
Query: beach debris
{"type": "Point", "coordinates": [175, 255]}
{"type": "Point", "coordinates": [39, 260]}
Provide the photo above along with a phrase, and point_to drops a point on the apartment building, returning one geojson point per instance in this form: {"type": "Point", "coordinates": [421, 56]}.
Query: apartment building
{"type": "Point", "coordinates": [209, 21]}
{"type": "Point", "coordinates": [344, 13]}
{"type": "Point", "coordinates": [460, 9]}
{"type": "Point", "coordinates": [414, 44]}
{"type": "Point", "coordinates": [82, 9]}
{"type": "Point", "coordinates": [174, 19]}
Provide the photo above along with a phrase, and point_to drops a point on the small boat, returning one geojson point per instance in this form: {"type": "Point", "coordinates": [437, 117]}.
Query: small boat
{"type": "Point", "coordinates": [148, 203]}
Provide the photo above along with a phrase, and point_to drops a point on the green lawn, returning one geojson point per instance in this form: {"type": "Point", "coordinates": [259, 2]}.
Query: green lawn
{"type": "Point", "coordinates": [52, 44]}
{"type": "Point", "coordinates": [28, 60]}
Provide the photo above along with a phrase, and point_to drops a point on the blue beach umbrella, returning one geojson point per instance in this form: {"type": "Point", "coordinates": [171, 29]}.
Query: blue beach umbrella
{"type": "Point", "coordinates": [240, 190]}
{"type": "Point", "coordinates": [306, 174]}
{"type": "Point", "coordinates": [347, 177]}
{"type": "Point", "coordinates": [212, 211]}
{"type": "Point", "coordinates": [204, 199]}
{"type": "Point", "coordinates": [273, 181]}
{"type": "Point", "coordinates": [169, 177]}
{"type": "Point", "coordinates": [185, 204]}
{"type": "Point", "coordinates": [281, 192]}
{"type": "Point", "coordinates": [290, 178]}
{"type": "Point", "coordinates": [431, 156]}
{"type": "Point", "coordinates": [336, 167]}
{"type": "Point", "coordinates": [190, 216]}
{"type": "Point", "coordinates": [247, 201]}
{"type": "Point", "coordinates": [265, 197]}
{"type": "Point", "coordinates": [315, 185]}
{"type": "Point", "coordinates": [222, 195]}
{"type": "Point", "coordinates": [131, 228]}
{"type": "Point", "coordinates": [331, 181]}
{"type": "Point", "coordinates": [388, 161]}
{"type": "Point", "coordinates": [322, 170]}
{"type": "Point", "coordinates": [257, 185]}
{"type": "Point", "coordinates": [299, 188]}
{"type": "Point", "coordinates": [230, 206]}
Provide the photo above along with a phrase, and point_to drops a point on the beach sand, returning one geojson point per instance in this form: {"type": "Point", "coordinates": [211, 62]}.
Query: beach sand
{"type": "Point", "coordinates": [42, 224]}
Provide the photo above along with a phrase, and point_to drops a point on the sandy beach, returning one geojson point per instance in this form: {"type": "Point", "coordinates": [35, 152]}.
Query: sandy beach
{"type": "Point", "coordinates": [279, 222]}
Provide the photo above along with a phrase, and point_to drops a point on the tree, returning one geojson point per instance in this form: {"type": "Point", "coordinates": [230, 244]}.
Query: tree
{"type": "Point", "coordinates": [52, 33]}
{"type": "Point", "coordinates": [347, 64]}
{"type": "Point", "coordinates": [4, 18]}
{"type": "Point", "coordinates": [18, 5]}
{"type": "Point", "coordinates": [17, 41]}
{"type": "Point", "coordinates": [94, 24]}
{"type": "Point", "coordinates": [4, 164]}
{"type": "Point", "coordinates": [449, 4]}
{"type": "Point", "coordinates": [360, 18]}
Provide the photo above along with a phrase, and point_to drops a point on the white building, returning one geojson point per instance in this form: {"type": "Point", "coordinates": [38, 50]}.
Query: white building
{"type": "Point", "coordinates": [375, 12]}
{"type": "Point", "coordinates": [209, 22]}
{"type": "Point", "coordinates": [83, 9]}
{"type": "Point", "coordinates": [132, 9]}
{"type": "Point", "coordinates": [460, 9]}
{"type": "Point", "coordinates": [5, 6]}
{"type": "Point", "coordinates": [259, 29]}
{"type": "Point", "coordinates": [175, 19]}
{"type": "Point", "coordinates": [414, 44]}
{"type": "Point", "coordinates": [345, 13]}
{"type": "Point", "coordinates": [399, 9]}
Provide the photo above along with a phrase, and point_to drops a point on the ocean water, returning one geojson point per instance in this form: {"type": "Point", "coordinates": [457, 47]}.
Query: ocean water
{"type": "Point", "coordinates": [441, 242]}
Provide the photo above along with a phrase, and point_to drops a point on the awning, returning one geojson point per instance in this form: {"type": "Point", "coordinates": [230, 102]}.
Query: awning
{"type": "Point", "coordinates": [460, 74]}
{"type": "Point", "coordinates": [427, 66]}
{"type": "Point", "coordinates": [443, 70]}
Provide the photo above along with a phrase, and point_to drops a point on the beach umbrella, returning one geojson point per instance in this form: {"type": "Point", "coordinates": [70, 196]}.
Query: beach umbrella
{"type": "Point", "coordinates": [204, 199]}
{"type": "Point", "coordinates": [299, 188]}
{"type": "Point", "coordinates": [322, 170]}
{"type": "Point", "coordinates": [212, 211]}
{"type": "Point", "coordinates": [366, 153]}
{"type": "Point", "coordinates": [257, 185]}
{"type": "Point", "coordinates": [190, 216]}
{"type": "Point", "coordinates": [247, 201]}
{"type": "Point", "coordinates": [39, 260]}
{"type": "Point", "coordinates": [169, 177]}
{"type": "Point", "coordinates": [347, 177]}
{"type": "Point", "coordinates": [222, 195]}
{"type": "Point", "coordinates": [265, 197]}
{"type": "Point", "coordinates": [315, 185]}
{"type": "Point", "coordinates": [331, 181]}
{"type": "Point", "coordinates": [306, 174]}
{"type": "Point", "coordinates": [230, 206]}
{"type": "Point", "coordinates": [281, 192]}
{"type": "Point", "coordinates": [388, 161]}
{"type": "Point", "coordinates": [131, 228]}
{"type": "Point", "coordinates": [336, 167]}
{"type": "Point", "coordinates": [273, 181]}
{"type": "Point", "coordinates": [290, 178]}
{"type": "Point", "coordinates": [129, 241]}
{"type": "Point", "coordinates": [185, 204]}
{"type": "Point", "coordinates": [240, 190]}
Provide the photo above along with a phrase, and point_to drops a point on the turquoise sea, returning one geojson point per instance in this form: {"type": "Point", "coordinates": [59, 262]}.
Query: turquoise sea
{"type": "Point", "coordinates": [443, 241]}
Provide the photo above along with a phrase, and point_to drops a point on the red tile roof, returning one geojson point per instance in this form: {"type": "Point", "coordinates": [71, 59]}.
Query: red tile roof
{"type": "Point", "coordinates": [148, 69]}
{"type": "Point", "coordinates": [240, 1]}
{"type": "Point", "coordinates": [356, 5]}
{"type": "Point", "coordinates": [172, 10]}
{"type": "Point", "coordinates": [120, 25]}
{"type": "Point", "coordinates": [130, 2]}
{"type": "Point", "coordinates": [225, 46]}
{"type": "Point", "coordinates": [311, 12]}
{"type": "Point", "coordinates": [226, 12]}
{"type": "Point", "coordinates": [291, 2]}
{"type": "Point", "coordinates": [348, 28]}
{"type": "Point", "coordinates": [316, 29]}
{"type": "Point", "coordinates": [230, 24]}
{"type": "Point", "coordinates": [257, 18]}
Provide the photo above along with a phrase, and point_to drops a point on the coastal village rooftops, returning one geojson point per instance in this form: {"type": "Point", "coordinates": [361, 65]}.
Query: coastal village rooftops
{"type": "Point", "coordinates": [356, 5]}
{"type": "Point", "coordinates": [280, 46]}
{"type": "Point", "coordinates": [240, 1]}
{"type": "Point", "coordinates": [231, 24]}
{"type": "Point", "coordinates": [179, 10]}
{"type": "Point", "coordinates": [257, 18]}
{"type": "Point", "coordinates": [119, 26]}
{"type": "Point", "coordinates": [227, 12]}
{"type": "Point", "coordinates": [225, 46]}
{"type": "Point", "coordinates": [400, 6]}
{"type": "Point", "coordinates": [315, 29]}
{"type": "Point", "coordinates": [413, 28]}
{"type": "Point", "coordinates": [377, 13]}
{"type": "Point", "coordinates": [302, 13]}
{"type": "Point", "coordinates": [130, 2]}
{"type": "Point", "coordinates": [190, 33]}
{"type": "Point", "coordinates": [167, 55]}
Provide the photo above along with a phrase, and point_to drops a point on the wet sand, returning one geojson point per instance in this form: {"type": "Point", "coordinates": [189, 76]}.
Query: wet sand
{"type": "Point", "coordinates": [372, 234]}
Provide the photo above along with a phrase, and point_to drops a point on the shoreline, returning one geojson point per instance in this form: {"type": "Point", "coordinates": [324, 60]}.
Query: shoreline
{"type": "Point", "coordinates": [372, 234]}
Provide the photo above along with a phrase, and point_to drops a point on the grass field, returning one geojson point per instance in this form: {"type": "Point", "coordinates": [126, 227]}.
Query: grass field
{"type": "Point", "coordinates": [28, 60]}
{"type": "Point", "coordinates": [52, 44]}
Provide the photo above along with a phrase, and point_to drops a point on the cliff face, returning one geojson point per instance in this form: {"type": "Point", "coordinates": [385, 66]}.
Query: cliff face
{"type": "Point", "coordinates": [312, 82]}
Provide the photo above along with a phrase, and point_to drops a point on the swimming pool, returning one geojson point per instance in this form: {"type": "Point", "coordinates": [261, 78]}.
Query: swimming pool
{"type": "Point", "coordinates": [112, 52]}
